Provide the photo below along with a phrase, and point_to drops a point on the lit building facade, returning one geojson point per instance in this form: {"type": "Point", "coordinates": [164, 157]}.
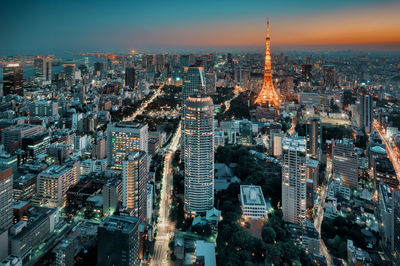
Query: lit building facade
{"type": "Point", "coordinates": [198, 145]}
{"type": "Point", "coordinates": [193, 81]}
{"type": "Point", "coordinates": [13, 79]}
{"type": "Point", "coordinates": [122, 139]}
{"type": "Point", "coordinates": [6, 199]}
{"type": "Point", "coordinates": [294, 180]}
{"type": "Point", "coordinates": [314, 138]}
{"type": "Point", "coordinates": [345, 162]}
{"type": "Point", "coordinates": [134, 184]}
{"type": "Point", "coordinates": [53, 183]}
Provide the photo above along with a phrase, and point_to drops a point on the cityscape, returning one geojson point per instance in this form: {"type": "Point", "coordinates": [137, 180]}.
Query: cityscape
{"type": "Point", "coordinates": [200, 134]}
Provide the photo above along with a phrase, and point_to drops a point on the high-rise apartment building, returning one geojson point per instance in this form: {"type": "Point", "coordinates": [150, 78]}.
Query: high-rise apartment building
{"type": "Point", "coordinates": [134, 184]}
{"type": "Point", "coordinates": [118, 241]}
{"type": "Point", "coordinates": [130, 77]}
{"type": "Point", "coordinates": [345, 162]}
{"type": "Point", "coordinates": [365, 112]}
{"type": "Point", "coordinates": [122, 139]}
{"type": "Point", "coordinates": [53, 183]}
{"type": "Point", "coordinates": [314, 138]}
{"type": "Point", "coordinates": [6, 197]}
{"type": "Point", "coordinates": [329, 76]}
{"type": "Point", "coordinates": [193, 82]}
{"type": "Point", "coordinates": [13, 79]}
{"type": "Point", "coordinates": [198, 145]}
{"type": "Point", "coordinates": [294, 191]}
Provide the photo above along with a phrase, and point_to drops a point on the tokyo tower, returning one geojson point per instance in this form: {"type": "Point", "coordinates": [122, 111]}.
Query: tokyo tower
{"type": "Point", "coordinates": [268, 93]}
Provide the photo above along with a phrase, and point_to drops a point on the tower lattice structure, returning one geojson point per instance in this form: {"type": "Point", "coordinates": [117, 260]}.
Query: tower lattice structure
{"type": "Point", "coordinates": [268, 93]}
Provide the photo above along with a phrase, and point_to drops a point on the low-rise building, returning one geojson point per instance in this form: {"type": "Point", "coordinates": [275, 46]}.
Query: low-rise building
{"type": "Point", "coordinates": [253, 202]}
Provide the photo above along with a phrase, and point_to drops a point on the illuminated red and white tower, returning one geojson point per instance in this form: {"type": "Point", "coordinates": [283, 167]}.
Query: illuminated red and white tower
{"type": "Point", "coordinates": [268, 93]}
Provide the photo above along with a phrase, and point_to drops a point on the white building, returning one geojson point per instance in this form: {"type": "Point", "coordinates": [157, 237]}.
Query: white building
{"type": "Point", "coordinates": [150, 196]}
{"type": "Point", "coordinates": [345, 162]}
{"type": "Point", "coordinates": [53, 183]}
{"type": "Point", "coordinates": [294, 180]}
{"type": "Point", "coordinates": [198, 143]}
{"type": "Point", "coordinates": [253, 202]}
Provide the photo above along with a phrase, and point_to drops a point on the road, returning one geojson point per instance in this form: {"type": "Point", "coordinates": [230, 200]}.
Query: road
{"type": "Point", "coordinates": [393, 155]}
{"type": "Point", "coordinates": [165, 226]}
{"type": "Point", "coordinates": [320, 211]}
{"type": "Point", "coordinates": [144, 105]}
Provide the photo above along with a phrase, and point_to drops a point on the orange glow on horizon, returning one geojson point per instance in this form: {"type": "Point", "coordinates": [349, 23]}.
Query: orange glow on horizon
{"type": "Point", "coordinates": [379, 25]}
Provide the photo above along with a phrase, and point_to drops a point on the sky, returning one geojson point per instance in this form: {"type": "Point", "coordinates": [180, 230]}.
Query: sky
{"type": "Point", "coordinates": [50, 26]}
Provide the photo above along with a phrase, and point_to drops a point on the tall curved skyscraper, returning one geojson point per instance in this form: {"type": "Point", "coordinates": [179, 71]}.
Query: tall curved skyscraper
{"type": "Point", "coordinates": [199, 154]}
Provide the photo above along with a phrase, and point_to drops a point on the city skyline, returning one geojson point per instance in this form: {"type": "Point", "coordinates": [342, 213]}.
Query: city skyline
{"type": "Point", "coordinates": [42, 28]}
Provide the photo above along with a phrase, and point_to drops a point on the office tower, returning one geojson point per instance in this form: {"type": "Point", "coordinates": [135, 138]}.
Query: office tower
{"type": "Point", "coordinates": [69, 70]}
{"type": "Point", "coordinates": [294, 180]}
{"type": "Point", "coordinates": [6, 199]}
{"type": "Point", "coordinates": [396, 222]}
{"type": "Point", "coordinates": [13, 135]}
{"type": "Point", "coordinates": [314, 138]}
{"type": "Point", "coordinates": [98, 68]}
{"type": "Point", "coordinates": [365, 112]}
{"type": "Point", "coordinates": [211, 79]}
{"type": "Point", "coordinates": [43, 108]}
{"type": "Point", "coordinates": [130, 77]}
{"type": "Point", "coordinates": [329, 76]}
{"type": "Point", "coordinates": [198, 145]}
{"type": "Point", "coordinates": [268, 93]}
{"type": "Point", "coordinates": [122, 139]}
{"type": "Point", "coordinates": [36, 144]}
{"type": "Point", "coordinates": [134, 184]}
{"type": "Point", "coordinates": [24, 187]}
{"type": "Point", "coordinates": [306, 72]}
{"type": "Point", "coordinates": [347, 98]}
{"type": "Point", "coordinates": [112, 195]}
{"type": "Point", "coordinates": [65, 253]}
{"type": "Point", "coordinates": [193, 82]}
{"type": "Point", "coordinates": [42, 68]}
{"type": "Point", "coordinates": [276, 140]}
{"type": "Point", "coordinates": [118, 241]}
{"type": "Point", "coordinates": [345, 162]}
{"type": "Point", "coordinates": [53, 183]}
{"type": "Point", "coordinates": [386, 215]}
{"type": "Point", "coordinates": [13, 79]}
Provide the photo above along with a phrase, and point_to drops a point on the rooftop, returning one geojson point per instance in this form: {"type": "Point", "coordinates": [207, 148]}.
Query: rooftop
{"type": "Point", "coordinates": [125, 224]}
{"type": "Point", "coordinates": [252, 195]}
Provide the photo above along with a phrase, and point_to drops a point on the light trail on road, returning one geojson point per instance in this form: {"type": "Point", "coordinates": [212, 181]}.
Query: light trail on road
{"type": "Point", "coordinates": [165, 226]}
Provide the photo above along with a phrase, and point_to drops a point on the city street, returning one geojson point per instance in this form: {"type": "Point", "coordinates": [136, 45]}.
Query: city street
{"type": "Point", "coordinates": [394, 156]}
{"type": "Point", "coordinates": [144, 105]}
{"type": "Point", "coordinates": [320, 211]}
{"type": "Point", "coordinates": [165, 227]}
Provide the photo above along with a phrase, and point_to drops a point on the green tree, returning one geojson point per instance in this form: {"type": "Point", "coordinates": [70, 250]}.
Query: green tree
{"type": "Point", "coordinates": [268, 234]}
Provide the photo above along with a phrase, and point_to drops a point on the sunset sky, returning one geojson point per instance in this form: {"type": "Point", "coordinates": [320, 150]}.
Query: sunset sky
{"type": "Point", "coordinates": [41, 26]}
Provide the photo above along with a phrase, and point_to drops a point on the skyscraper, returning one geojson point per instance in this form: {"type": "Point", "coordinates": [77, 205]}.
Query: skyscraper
{"type": "Point", "coordinates": [122, 139]}
{"type": "Point", "coordinates": [294, 180]}
{"type": "Point", "coordinates": [13, 79]}
{"type": "Point", "coordinates": [306, 72]}
{"type": "Point", "coordinates": [134, 184]}
{"type": "Point", "coordinates": [130, 77]}
{"type": "Point", "coordinates": [314, 137]}
{"type": "Point", "coordinates": [42, 68]}
{"type": "Point", "coordinates": [6, 199]}
{"type": "Point", "coordinates": [268, 93]}
{"type": "Point", "coordinates": [118, 241]}
{"type": "Point", "coordinates": [199, 154]}
{"type": "Point", "coordinates": [193, 82]}
{"type": "Point", "coordinates": [366, 112]}
{"type": "Point", "coordinates": [345, 162]}
{"type": "Point", "coordinates": [329, 76]}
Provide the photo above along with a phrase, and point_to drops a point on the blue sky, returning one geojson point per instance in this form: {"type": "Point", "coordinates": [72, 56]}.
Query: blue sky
{"type": "Point", "coordinates": [40, 26]}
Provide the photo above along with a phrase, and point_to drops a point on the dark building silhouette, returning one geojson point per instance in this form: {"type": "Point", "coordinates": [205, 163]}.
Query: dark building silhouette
{"type": "Point", "coordinates": [13, 79]}
{"type": "Point", "coordinates": [118, 241]}
{"type": "Point", "coordinates": [130, 77]}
